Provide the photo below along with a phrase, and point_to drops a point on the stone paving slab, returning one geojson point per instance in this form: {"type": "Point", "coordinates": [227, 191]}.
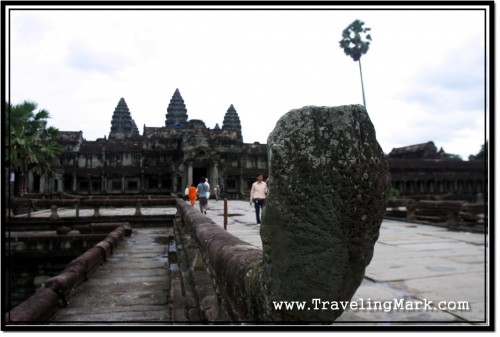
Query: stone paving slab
{"type": "Point", "coordinates": [411, 262]}
{"type": "Point", "coordinates": [126, 288]}
{"type": "Point", "coordinates": [415, 268]}
{"type": "Point", "coordinates": [139, 282]}
{"type": "Point", "coordinates": [371, 293]}
{"type": "Point", "coordinates": [139, 315]}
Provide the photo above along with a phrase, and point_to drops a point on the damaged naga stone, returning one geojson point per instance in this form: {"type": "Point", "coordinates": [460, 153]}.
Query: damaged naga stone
{"type": "Point", "coordinates": [329, 185]}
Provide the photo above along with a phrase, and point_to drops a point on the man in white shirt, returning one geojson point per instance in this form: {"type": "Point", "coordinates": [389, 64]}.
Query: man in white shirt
{"type": "Point", "coordinates": [203, 188]}
{"type": "Point", "coordinates": [258, 195]}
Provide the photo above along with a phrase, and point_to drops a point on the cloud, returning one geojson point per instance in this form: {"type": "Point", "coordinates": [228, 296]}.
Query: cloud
{"type": "Point", "coordinates": [86, 57]}
{"type": "Point", "coordinates": [423, 74]}
{"type": "Point", "coordinates": [457, 82]}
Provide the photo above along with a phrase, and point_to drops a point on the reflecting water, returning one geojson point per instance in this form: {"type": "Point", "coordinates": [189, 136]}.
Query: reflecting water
{"type": "Point", "coordinates": [24, 276]}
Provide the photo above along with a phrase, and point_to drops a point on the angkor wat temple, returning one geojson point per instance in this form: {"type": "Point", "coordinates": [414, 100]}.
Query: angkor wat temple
{"type": "Point", "coordinates": [167, 159]}
{"type": "Point", "coordinates": [164, 159]}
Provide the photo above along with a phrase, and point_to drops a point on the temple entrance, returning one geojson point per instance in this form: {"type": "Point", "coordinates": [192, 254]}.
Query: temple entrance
{"type": "Point", "coordinates": [199, 172]}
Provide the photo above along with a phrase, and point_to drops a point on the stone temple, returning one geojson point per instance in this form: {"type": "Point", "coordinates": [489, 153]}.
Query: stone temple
{"type": "Point", "coordinates": [166, 159]}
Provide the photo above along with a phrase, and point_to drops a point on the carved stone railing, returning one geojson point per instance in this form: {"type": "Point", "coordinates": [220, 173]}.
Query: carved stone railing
{"type": "Point", "coordinates": [329, 184]}
{"type": "Point", "coordinates": [451, 212]}
{"type": "Point", "coordinates": [41, 306]}
{"type": "Point", "coordinates": [64, 195]}
{"type": "Point", "coordinates": [228, 260]}
{"type": "Point", "coordinates": [95, 203]}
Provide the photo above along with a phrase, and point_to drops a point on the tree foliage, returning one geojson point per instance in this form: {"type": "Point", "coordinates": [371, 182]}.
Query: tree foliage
{"type": "Point", "coordinates": [32, 145]}
{"type": "Point", "coordinates": [481, 155]}
{"type": "Point", "coordinates": [355, 40]}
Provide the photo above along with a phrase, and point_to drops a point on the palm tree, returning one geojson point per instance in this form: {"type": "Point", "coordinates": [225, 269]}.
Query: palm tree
{"type": "Point", "coordinates": [355, 42]}
{"type": "Point", "coordinates": [31, 145]}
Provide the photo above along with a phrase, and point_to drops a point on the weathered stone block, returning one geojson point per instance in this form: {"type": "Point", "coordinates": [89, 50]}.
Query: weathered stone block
{"type": "Point", "coordinates": [106, 247]}
{"type": "Point", "coordinates": [64, 283]}
{"type": "Point", "coordinates": [329, 187]}
{"type": "Point", "coordinates": [38, 308]}
{"type": "Point", "coordinates": [53, 212]}
{"type": "Point", "coordinates": [329, 184]}
{"type": "Point", "coordinates": [63, 230]}
{"type": "Point", "coordinates": [91, 259]}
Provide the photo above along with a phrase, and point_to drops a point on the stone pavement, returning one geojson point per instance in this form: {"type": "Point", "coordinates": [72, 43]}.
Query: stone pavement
{"type": "Point", "coordinates": [411, 263]}
{"type": "Point", "coordinates": [134, 285]}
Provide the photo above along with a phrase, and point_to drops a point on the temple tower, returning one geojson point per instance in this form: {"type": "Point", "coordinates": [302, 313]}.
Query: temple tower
{"type": "Point", "coordinates": [122, 124]}
{"type": "Point", "coordinates": [176, 112]}
{"type": "Point", "coordinates": [232, 122]}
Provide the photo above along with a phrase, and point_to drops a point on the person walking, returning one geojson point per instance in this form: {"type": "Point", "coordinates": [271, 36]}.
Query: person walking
{"type": "Point", "coordinates": [208, 193]}
{"type": "Point", "coordinates": [203, 188]}
{"type": "Point", "coordinates": [258, 195]}
{"type": "Point", "coordinates": [217, 192]}
{"type": "Point", "coordinates": [192, 194]}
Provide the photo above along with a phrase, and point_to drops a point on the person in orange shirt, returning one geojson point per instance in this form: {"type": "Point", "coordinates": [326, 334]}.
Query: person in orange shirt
{"type": "Point", "coordinates": [193, 192]}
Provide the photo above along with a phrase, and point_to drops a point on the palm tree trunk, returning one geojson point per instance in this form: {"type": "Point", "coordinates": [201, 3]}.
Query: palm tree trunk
{"type": "Point", "coordinates": [362, 86]}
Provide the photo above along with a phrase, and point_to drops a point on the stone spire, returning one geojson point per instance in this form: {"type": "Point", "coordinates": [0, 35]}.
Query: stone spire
{"type": "Point", "coordinates": [176, 111]}
{"type": "Point", "coordinates": [122, 124]}
{"type": "Point", "coordinates": [232, 122]}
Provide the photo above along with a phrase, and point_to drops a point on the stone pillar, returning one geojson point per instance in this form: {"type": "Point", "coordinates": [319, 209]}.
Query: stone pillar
{"type": "Point", "coordinates": [452, 219]}
{"type": "Point", "coordinates": [198, 263]}
{"type": "Point", "coordinates": [410, 213]}
{"type": "Point", "coordinates": [58, 183]}
{"type": "Point", "coordinates": [241, 187]}
{"type": "Point", "coordinates": [74, 183]}
{"type": "Point", "coordinates": [138, 209]}
{"type": "Point", "coordinates": [214, 176]}
{"type": "Point", "coordinates": [190, 173]}
{"type": "Point", "coordinates": [53, 212]}
{"type": "Point", "coordinates": [42, 183]}
{"type": "Point", "coordinates": [12, 182]}
{"type": "Point", "coordinates": [30, 181]}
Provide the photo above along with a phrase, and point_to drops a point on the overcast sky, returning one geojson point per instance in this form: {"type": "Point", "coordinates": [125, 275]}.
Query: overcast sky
{"type": "Point", "coordinates": [424, 73]}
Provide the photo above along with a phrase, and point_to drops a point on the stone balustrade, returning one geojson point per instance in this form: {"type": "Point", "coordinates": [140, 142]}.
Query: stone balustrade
{"type": "Point", "coordinates": [41, 306]}
{"type": "Point", "coordinates": [229, 261]}
{"type": "Point", "coordinates": [451, 212]}
{"type": "Point", "coordinates": [95, 203]}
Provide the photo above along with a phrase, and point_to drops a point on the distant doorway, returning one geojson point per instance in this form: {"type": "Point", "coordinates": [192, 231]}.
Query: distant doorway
{"type": "Point", "coordinates": [199, 172]}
